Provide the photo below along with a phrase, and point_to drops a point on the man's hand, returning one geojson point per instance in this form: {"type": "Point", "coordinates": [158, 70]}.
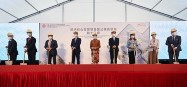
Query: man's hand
{"type": "Point", "coordinates": [114, 46]}
{"type": "Point", "coordinates": [25, 51]}
{"type": "Point", "coordinates": [175, 48]}
{"type": "Point", "coordinates": [25, 47]}
{"type": "Point", "coordinates": [48, 49]}
{"type": "Point", "coordinates": [73, 48]}
{"type": "Point", "coordinates": [172, 45]}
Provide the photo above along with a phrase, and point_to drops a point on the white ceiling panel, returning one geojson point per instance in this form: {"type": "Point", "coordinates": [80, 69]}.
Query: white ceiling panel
{"type": "Point", "coordinates": [105, 1]}
{"type": "Point", "coordinates": [42, 4]}
{"type": "Point", "coordinates": [19, 8]}
{"type": "Point", "coordinates": [182, 15]}
{"type": "Point", "coordinates": [80, 1]}
{"type": "Point", "coordinates": [78, 12]}
{"type": "Point", "coordinates": [110, 12]}
{"type": "Point", "coordinates": [171, 7]}
{"type": "Point", "coordinates": [82, 10]}
{"type": "Point", "coordinates": [46, 17]}
{"type": "Point", "coordinates": [143, 15]}
{"type": "Point", "coordinates": [129, 0]}
{"type": "Point", "coordinates": [4, 17]}
{"type": "Point", "coordinates": [59, 1]}
{"type": "Point", "coordinates": [146, 3]}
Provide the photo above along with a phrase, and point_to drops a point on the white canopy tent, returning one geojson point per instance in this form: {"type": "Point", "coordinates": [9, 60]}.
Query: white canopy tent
{"type": "Point", "coordinates": [59, 11]}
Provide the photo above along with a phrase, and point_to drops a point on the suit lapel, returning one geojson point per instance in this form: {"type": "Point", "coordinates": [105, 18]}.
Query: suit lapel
{"type": "Point", "coordinates": [9, 43]}
{"type": "Point", "coordinates": [75, 41]}
{"type": "Point", "coordinates": [51, 42]}
{"type": "Point", "coordinates": [171, 39]}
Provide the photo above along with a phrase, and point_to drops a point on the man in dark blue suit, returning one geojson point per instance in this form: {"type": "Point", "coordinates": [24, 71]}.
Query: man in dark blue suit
{"type": "Point", "coordinates": [113, 43]}
{"type": "Point", "coordinates": [174, 44]}
{"type": "Point", "coordinates": [12, 48]}
{"type": "Point", "coordinates": [75, 45]}
{"type": "Point", "coordinates": [51, 47]}
{"type": "Point", "coordinates": [30, 47]}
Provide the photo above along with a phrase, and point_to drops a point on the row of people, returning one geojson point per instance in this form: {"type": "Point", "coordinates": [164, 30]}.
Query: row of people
{"type": "Point", "coordinates": [30, 47]}
{"type": "Point", "coordinates": [173, 42]}
{"type": "Point", "coordinates": [174, 47]}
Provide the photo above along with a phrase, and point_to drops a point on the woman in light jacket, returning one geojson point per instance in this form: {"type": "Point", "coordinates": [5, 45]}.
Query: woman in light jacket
{"type": "Point", "coordinates": [153, 52]}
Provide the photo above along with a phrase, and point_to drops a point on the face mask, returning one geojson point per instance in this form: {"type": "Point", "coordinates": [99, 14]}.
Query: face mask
{"type": "Point", "coordinates": [10, 38]}
{"type": "Point", "coordinates": [113, 35]}
{"type": "Point", "coordinates": [154, 36]}
{"type": "Point", "coordinates": [75, 35]}
{"type": "Point", "coordinates": [132, 36]}
{"type": "Point", "coordinates": [29, 34]}
{"type": "Point", "coordinates": [174, 33]}
{"type": "Point", "coordinates": [95, 37]}
{"type": "Point", "coordinates": [50, 37]}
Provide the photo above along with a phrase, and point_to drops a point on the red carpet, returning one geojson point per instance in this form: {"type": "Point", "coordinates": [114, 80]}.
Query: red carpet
{"type": "Point", "coordinates": [94, 76]}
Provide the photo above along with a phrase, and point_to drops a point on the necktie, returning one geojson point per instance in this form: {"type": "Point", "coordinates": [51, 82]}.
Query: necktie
{"type": "Point", "coordinates": [114, 39]}
{"type": "Point", "coordinates": [173, 39]}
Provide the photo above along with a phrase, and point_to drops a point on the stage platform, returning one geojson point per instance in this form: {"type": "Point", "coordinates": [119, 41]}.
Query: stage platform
{"type": "Point", "coordinates": [121, 75]}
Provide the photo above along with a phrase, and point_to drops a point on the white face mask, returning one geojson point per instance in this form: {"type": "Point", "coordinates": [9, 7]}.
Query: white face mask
{"type": "Point", "coordinates": [113, 35]}
{"type": "Point", "coordinates": [50, 37]}
{"type": "Point", "coordinates": [10, 38]}
{"type": "Point", "coordinates": [132, 36]}
{"type": "Point", "coordinates": [29, 34]}
{"type": "Point", "coordinates": [174, 33]}
{"type": "Point", "coordinates": [95, 37]}
{"type": "Point", "coordinates": [75, 35]}
{"type": "Point", "coordinates": [154, 36]}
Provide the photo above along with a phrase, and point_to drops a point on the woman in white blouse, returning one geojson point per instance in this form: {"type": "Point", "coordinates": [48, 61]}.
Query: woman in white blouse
{"type": "Point", "coordinates": [153, 52]}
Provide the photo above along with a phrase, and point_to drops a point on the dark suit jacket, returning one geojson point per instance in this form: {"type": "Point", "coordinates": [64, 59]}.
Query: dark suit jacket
{"type": "Point", "coordinates": [12, 47]}
{"type": "Point", "coordinates": [112, 43]}
{"type": "Point", "coordinates": [31, 47]}
{"type": "Point", "coordinates": [54, 45]}
{"type": "Point", "coordinates": [176, 43]}
{"type": "Point", "coordinates": [76, 44]}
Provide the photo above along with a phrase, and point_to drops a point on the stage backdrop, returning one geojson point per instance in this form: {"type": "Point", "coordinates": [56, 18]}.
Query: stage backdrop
{"type": "Point", "coordinates": [163, 29]}
{"type": "Point", "coordinates": [20, 35]}
{"type": "Point", "coordinates": [63, 33]}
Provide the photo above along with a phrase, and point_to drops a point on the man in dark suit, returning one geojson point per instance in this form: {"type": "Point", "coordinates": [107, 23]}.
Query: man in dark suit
{"type": "Point", "coordinates": [113, 43]}
{"type": "Point", "coordinates": [173, 42]}
{"type": "Point", "coordinates": [51, 47]}
{"type": "Point", "coordinates": [75, 45]}
{"type": "Point", "coordinates": [30, 47]}
{"type": "Point", "coordinates": [12, 48]}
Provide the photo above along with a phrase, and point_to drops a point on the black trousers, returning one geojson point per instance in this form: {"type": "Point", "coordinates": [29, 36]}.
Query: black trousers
{"type": "Point", "coordinates": [77, 55]}
{"type": "Point", "coordinates": [32, 57]}
{"type": "Point", "coordinates": [112, 57]}
{"type": "Point", "coordinates": [13, 58]}
{"type": "Point", "coordinates": [131, 57]}
{"type": "Point", "coordinates": [171, 54]}
{"type": "Point", "coordinates": [50, 57]}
